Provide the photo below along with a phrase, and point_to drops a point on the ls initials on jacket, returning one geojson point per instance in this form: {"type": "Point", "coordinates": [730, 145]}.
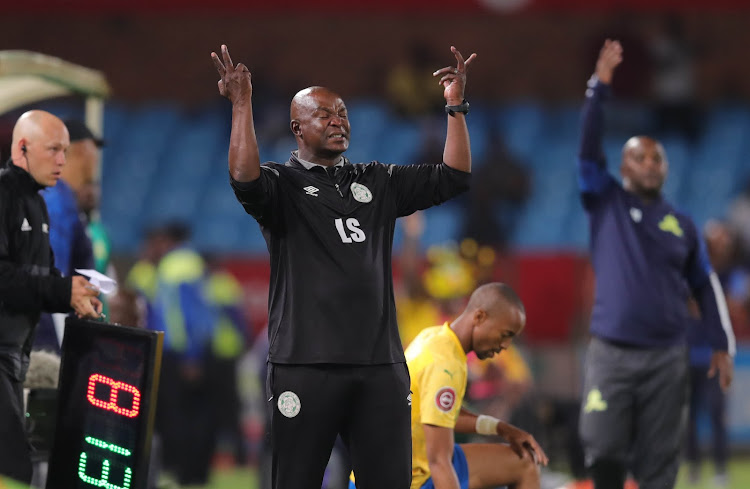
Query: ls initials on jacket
{"type": "Point", "coordinates": [330, 234]}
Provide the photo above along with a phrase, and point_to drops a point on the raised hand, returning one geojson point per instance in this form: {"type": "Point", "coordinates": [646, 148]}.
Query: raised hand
{"type": "Point", "coordinates": [454, 78]}
{"type": "Point", "coordinates": [609, 57]}
{"type": "Point", "coordinates": [235, 83]}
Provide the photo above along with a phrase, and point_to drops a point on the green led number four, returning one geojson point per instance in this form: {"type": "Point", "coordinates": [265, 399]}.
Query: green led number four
{"type": "Point", "coordinates": [104, 481]}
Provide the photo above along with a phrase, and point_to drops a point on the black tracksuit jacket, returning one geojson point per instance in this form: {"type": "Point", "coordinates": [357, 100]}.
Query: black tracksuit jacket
{"type": "Point", "coordinates": [29, 282]}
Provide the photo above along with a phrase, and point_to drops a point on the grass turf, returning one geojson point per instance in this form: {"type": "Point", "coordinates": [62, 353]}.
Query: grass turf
{"type": "Point", "coordinates": [739, 477]}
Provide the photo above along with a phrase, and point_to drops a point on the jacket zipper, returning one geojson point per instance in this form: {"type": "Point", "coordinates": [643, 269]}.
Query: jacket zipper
{"type": "Point", "coordinates": [335, 184]}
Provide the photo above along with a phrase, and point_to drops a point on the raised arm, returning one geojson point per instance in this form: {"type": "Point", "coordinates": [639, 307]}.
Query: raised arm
{"type": "Point", "coordinates": [236, 85]}
{"type": "Point", "coordinates": [457, 151]}
{"type": "Point", "coordinates": [592, 165]}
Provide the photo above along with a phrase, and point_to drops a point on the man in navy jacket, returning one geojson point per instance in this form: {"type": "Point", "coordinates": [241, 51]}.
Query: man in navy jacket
{"type": "Point", "coordinates": [648, 259]}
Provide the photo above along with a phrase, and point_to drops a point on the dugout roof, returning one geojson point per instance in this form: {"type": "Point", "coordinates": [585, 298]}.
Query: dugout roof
{"type": "Point", "coordinates": [27, 77]}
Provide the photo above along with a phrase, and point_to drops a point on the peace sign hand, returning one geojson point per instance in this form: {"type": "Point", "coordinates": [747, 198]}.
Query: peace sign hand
{"type": "Point", "coordinates": [454, 79]}
{"type": "Point", "coordinates": [235, 83]}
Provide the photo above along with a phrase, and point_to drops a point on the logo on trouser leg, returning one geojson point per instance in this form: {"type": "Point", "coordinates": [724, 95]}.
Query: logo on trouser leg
{"type": "Point", "coordinates": [594, 402]}
{"type": "Point", "coordinates": [289, 404]}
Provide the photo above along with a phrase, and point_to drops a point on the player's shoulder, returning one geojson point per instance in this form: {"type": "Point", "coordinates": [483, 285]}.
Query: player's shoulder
{"type": "Point", "coordinates": [433, 345]}
{"type": "Point", "coordinates": [8, 177]}
{"type": "Point", "coordinates": [681, 214]}
{"type": "Point", "coordinates": [368, 168]}
{"type": "Point", "coordinates": [423, 344]}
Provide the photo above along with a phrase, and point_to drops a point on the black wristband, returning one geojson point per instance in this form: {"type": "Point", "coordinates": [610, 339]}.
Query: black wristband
{"type": "Point", "coordinates": [451, 110]}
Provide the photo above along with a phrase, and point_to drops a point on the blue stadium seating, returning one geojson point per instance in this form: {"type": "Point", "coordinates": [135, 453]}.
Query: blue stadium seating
{"type": "Point", "coordinates": [162, 162]}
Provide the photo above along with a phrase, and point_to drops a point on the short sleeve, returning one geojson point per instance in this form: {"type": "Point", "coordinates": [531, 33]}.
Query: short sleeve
{"type": "Point", "coordinates": [418, 187]}
{"type": "Point", "coordinates": [258, 197]}
{"type": "Point", "coordinates": [442, 389]}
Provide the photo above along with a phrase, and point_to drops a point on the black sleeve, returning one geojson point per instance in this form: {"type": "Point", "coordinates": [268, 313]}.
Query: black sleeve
{"type": "Point", "coordinates": [258, 197]}
{"type": "Point", "coordinates": [418, 187]}
{"type": "Point", "coordinates": [22, 291]}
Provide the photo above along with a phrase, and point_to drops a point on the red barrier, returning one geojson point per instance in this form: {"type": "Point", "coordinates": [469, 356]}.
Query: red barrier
{"type": "Point", "coordinates": [431, 7]}
{"type": "Point", "coordinates": [556, 289]}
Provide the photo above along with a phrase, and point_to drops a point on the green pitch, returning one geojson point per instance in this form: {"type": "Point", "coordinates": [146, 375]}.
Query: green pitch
{"type": "Point", "coordinates": [739, 477]}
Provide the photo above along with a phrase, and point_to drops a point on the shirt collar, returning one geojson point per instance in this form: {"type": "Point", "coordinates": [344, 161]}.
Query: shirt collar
{"type": "Point", "coordinates": [457, 342]}
{"type": "Point", "coordinates": [309, 164]}
{"type": "Point", "coordinates": [24, 177]}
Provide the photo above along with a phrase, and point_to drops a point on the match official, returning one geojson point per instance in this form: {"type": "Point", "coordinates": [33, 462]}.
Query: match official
{"type": "Point", "coordinates": [336, 365]}
{"type": "Point", "coordinates": [29, 281]}
{"type": "Point", "coordinates": [648, 259]}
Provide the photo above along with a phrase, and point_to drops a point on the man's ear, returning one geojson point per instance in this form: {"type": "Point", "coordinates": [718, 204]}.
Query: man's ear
{"type": "Point", "coordinates": [296, 129]}
{"type": "Point", "coordinates": [479, 316]}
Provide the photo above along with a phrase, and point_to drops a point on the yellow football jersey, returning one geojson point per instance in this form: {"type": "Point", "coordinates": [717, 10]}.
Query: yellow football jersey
{"type": "Point", "coordinates": [437, 366]}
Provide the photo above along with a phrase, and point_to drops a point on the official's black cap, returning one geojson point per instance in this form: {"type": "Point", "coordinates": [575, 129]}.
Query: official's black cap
{"type": "Point", "coordinates": [78, 132]}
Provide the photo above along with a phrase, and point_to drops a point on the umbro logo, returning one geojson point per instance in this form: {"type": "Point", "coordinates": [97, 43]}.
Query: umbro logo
{"type": "Point", "coordinates": [25, 226]}
{"type": "Point", "coordinates": [311, 190]}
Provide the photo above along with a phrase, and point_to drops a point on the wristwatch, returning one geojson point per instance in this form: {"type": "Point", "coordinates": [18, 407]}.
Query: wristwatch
{"type": "Point", "coordinates": [451, 110]}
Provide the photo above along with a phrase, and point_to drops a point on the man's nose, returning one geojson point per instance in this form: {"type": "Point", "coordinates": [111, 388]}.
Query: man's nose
{"type": "Point", "coordinates": [60, 159]}
{"type": "Point", "coordinates": [653, 162]}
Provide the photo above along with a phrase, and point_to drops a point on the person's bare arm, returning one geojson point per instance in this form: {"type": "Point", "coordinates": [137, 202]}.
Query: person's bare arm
{"type": "Point", "coordinates": [439, 445]}
{"type": "Point", "coordinates": [522, 443]}
{"type": "Point", "coordinates": [457, 151]}
{"type": "Point", "coordinates": [610, 57]}
{"type": "Point", "coordinates": [236, 85]}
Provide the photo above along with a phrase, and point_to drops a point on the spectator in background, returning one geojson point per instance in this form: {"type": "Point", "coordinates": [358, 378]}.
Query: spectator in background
{"type": "Point", "coordinates": [722, 241]}
{"type": "Point", "coordinates": [186, 414]}
{"type": "Point", "coordinates": [673, 79]}
{"type": "Point", "coordinates": [706, 392]}
{"type": "Point", "coordinates": [82, 174]}
{"type": "Point", "coordinates": [738, 218]}
{"type": "Point", "coordinates": [224, 293]}
{"type": "Point", "coordinates": [127, 307]}
{"type": "Point", "coordinates": [142, 275]}
{"type": "Point", "coordinates": [499, 385]}
{"type": "Point", "coordinates": [501, 186]}
{"type": "Point", "coordinates": [67, 233]}
{"type": "Point", "coordinates": [410, 87]}
{"type": "Point", "coordinates": [415, 308]}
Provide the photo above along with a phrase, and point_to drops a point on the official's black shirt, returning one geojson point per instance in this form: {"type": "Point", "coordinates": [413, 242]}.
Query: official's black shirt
{"type": "Point", "coordinates": [330, 235]}
{"type": "Point", "coordinates": [29, 282]}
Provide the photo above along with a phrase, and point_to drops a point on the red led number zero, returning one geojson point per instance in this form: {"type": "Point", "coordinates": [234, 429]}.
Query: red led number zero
{"type": "Point", "coordinates": [115, 387]}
